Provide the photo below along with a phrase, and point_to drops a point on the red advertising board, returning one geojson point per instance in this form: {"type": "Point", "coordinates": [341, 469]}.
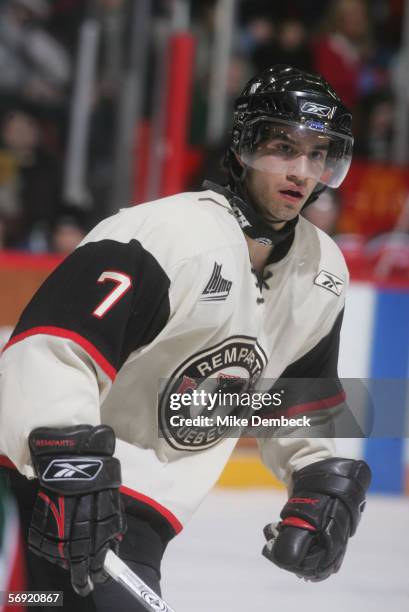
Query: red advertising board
{"type": "Point", "coordinates": [372, 198]}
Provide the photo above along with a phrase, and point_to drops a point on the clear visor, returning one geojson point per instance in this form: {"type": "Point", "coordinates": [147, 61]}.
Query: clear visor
{"type": "Point", "coordinates": [290, 148]}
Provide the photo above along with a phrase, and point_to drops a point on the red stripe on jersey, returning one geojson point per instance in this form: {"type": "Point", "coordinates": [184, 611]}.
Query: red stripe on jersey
{"type": "Point", "coordinates": [322, 404]}
{"type": "Point", "coordinates": [6, 462]}
{"type": "Point", "coordinates": [328, 402]}
{"type": "Point", "coordinates": [167, 514]}
{"type": "Point", "coordinates": [60, 332]}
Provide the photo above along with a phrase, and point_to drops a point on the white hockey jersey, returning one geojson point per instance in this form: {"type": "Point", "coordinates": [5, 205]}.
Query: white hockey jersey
{"type": "Point", "coordinates": [154, 298]}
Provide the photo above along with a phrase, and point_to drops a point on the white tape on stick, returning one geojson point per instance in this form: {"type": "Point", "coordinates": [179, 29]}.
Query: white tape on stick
{"type": "Point", "coordinates": [120, 572]}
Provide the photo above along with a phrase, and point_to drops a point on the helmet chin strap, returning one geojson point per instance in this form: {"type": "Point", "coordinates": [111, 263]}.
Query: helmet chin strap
{"type": "Point", "coordinates": [250, 220]}
{"type": "Point", "coordinates": [318, 190]}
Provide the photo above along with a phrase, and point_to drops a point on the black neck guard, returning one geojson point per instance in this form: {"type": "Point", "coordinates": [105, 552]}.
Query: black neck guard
{"type": "Point", "coordinates": [250, 221]}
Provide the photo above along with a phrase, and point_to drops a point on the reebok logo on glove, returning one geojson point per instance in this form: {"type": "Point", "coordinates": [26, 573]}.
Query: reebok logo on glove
{"type": "Point", "coordinates": [74, 469]}
{"type": "Point", "coordinates": [77, 515]}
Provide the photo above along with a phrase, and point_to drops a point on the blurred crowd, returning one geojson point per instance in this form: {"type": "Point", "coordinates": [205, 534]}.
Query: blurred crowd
{"type": "Point", "coordinates": [354, 44]}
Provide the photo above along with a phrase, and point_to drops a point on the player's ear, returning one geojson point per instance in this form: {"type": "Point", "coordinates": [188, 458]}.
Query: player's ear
{"type": "Point", "coordinates": [234, 164]}
{"type": "Point", "coordinates": [238, 160]}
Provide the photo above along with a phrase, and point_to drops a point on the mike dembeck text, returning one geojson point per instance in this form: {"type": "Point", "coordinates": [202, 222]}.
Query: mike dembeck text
{"type": "Point", "coordinates": [178, 420]}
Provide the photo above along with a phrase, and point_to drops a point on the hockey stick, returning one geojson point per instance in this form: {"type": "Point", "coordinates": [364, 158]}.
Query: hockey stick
{"type": "Point", "coordinates": [120, 572]}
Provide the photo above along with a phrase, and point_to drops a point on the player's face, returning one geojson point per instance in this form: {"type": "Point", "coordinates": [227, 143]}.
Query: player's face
{"type": "Point", "coordinates": [284, 171]}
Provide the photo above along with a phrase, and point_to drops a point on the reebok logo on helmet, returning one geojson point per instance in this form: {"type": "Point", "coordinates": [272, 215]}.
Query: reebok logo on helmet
{"type": "Point", "coordinates": [312, 108]}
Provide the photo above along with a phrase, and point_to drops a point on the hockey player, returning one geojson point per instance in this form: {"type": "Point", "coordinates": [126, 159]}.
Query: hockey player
{"type": "Point", "coordinates": [225, 284]}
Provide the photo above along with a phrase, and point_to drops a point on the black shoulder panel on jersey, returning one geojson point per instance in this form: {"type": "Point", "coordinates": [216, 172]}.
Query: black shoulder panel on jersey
{"type": "Point", "coordinates": [322, 360]}
{"type": "Point", "coordinates": [112, 294]}
{"type": "Point", "coordinates": [312, 383]}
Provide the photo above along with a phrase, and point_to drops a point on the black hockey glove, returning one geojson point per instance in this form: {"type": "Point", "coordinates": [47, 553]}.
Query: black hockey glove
{"type": "Point", "coordinates": [327, 501]}
{"type": "Point", "coordinates": [77, 515]}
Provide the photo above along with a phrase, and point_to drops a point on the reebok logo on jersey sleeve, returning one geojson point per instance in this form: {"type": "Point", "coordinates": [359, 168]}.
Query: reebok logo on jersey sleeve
{"type": "Point", "coordinates": [73, 469]}
{"type": "Point", "coordinates": [217, 288]}
{"type": "Point", "coordinates": [329, 281]}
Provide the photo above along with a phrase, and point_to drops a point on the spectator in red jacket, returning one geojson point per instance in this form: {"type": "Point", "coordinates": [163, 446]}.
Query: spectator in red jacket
{"type": "Point", "coordinates": [341, 52]}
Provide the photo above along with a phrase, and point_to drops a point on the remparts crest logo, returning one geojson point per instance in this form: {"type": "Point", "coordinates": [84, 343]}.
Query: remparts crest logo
{"type": "Point", "coordinates": [231, 367]}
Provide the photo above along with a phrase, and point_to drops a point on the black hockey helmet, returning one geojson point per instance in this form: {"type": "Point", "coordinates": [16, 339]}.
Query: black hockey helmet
{"type": "Point", "coordinates": [280, 100]}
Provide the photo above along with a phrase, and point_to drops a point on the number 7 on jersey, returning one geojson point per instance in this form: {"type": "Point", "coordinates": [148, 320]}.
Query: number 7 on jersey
{"type": "Point", "coordinates": [123, 284]}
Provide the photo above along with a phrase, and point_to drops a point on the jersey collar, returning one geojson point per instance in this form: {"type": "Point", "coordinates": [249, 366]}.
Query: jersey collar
{"type": "Point", "coordinates": [251, 222]}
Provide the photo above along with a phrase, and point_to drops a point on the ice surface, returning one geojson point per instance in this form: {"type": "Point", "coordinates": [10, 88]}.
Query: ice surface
{"type": "Point", "coordinates": [215, 565]}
